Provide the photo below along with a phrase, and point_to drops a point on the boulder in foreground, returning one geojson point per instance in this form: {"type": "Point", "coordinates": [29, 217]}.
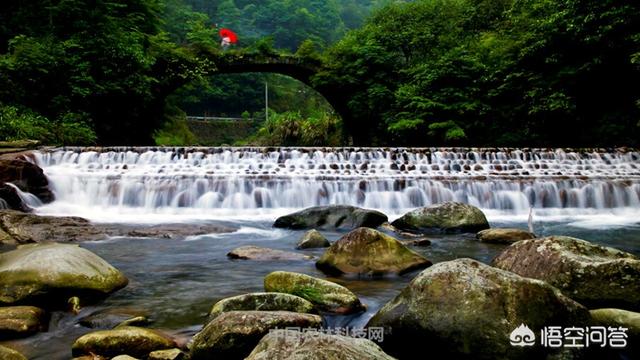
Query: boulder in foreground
{"type": "Point", "coordinates": [326, 296]}
{"type": "Point", "coordinates": [331, 217]}
{"type": "Point", "coordinates": [233, 335]}
{"type": "Point", "coordinates": [593, 275]}
{"type": "Point", "coordinates": [127, 340]}
{"type": "Point", "coordinates": [277, 345]}
{"type": "Point", "coordinates": [268, 301]}
{"type": "Point", "coordinates": [467, 309]}
{"type": "Point", "coordinates": [368, 251]}
{"type": "Point", "coordinates": [447, 217]}
{"type": "Point", "coordinates": [52, 273]}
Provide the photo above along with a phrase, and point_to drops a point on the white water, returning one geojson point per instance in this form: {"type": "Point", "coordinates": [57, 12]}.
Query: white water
{"type": "Point", "coordinates": [151, 185]}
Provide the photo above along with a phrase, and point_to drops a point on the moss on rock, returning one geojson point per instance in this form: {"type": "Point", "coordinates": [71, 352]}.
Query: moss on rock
{"type": "Point", "coordinates": [446, 217]}
{"type": "Point", "coordinates": [368, 251]}
{"type": "Point", "coordinates": [593, 275]}
{"type": "Point", "coordinates": [268, 301]}
{"type": "Point", "coordinates": [127, 340]}
{"type": "Point", "coordinates": [326, 296]}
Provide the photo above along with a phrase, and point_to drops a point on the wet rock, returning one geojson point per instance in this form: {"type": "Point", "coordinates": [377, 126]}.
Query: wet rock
{"type": "Point", "coordinates": [331, 217]}
{"type": "Point", "coordinates": [467, 309]}
{"type": "Point", "coordinates": [127, 340]}
{"type": "Point", "coordinates": [503, 236]}
{"type": "Point", "coordinates": [276, 345]}
{"type": "Point", "coordinates": [265, 254]}
{"type": "Point", "coordinates": [270, 301]}
{"type": "Point", "coordinates": [368, 251]}
{"type": "Point", "coordinates": [9, 199]}
{"type": "Point", "coordinates": [27, 176]}
{"type": "Point", "coordinates": [326, 296]}
{"type": "Point", "coordinates": [52, 273]}
{"type": "Point", "coordinates": [233, 335]}
{"type": "Point", "coordinates": [312, 239]}
{"type": "Point", "coordinates": [172, 231]}
{"type": "Point", "coordinates": [10, 354]}
{"type": "Point", "coordinates": [112, 317]}
{"type": "Point", "coordinates": [171, 354]}
{"type": "Point", "coordinates": [21, 228]}
{"type": "Point", "coordinates": [21, 321]}
{"type": "Point", "coordinates": [593, 275]}
{"type": "Point", "coordinates": [449, 217]}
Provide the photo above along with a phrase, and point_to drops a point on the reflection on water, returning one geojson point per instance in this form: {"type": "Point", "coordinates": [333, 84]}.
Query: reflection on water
{"type": "Point", "coordinates": [177, 281]}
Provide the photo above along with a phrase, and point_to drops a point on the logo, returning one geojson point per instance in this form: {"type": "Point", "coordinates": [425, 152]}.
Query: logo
{"type": "Point", "coordinates": [522, 336]}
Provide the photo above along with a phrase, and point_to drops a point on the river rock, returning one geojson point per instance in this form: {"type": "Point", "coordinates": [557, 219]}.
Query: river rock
{"type": "Point", "coordinates": [171, 354]}
{"type": "Point", "coordinates": [317, 346]}
{"type": "Point", "coordinates": [21, 228]}
{"type": "Point", "coordinates": [326, 296]}
{"type": "Point", "coordinates": [124, 357]}
{"type": "Point", "coordinates": [20, 321]}
{"type": "Point", "coordinates": [126, 340]}
{"type": "Point", "coordinates": [27, 176]}
{"type": "Point", "coordinates": [593, 275]}
{"type": "Point", "coordinates": [368, 251]}
{"type": "Point", "coordinates": [52, 273]}
{"type": "Point", "coordinates": [233, 335]}
{"type": "Point", "coordinates": [503, 236]}
{"type": "Point", "coordinates": [112, 317]}
{"type": "Point", "coordinates": [331, 217]}
{"type": "Point", "coordinates": [312, 239]}
{"type": "Point", "coordinates": [467, 309]}
{"type": "Point", "coordinates": [10, 354]}
{"type": "Point", "coordinates": [265, 254]}
{"type": "Point", "coordinates": [269, 301]}
{"type": "Point", "coordinates": [9, 199]}
{"type": "Point", "coordinates": [448, 217]}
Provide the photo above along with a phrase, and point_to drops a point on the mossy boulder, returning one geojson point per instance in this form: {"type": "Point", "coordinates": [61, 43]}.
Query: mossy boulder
{"type": "Point", "coordinates": [277, 345]}
{"type": "Point", "coordinates": [467, 309]}
{"type": "Point", "coordinates": [619, 318]}
{"type": "Point", "coordinates": [312, 239]}
{"type": "Point", "coordinates": [251, 252]}
{"type": "Point", "coordinates": [503, 236]}
{"type": "Point", "coordinates": [267, 301]}
{"type": "Point", "coordinates": [593, 275]}
{"type": "Point", "coordinates": [20, 321]}
{"type": "Point", "coordinates": [368, 251]}
{"type": "Point", "coordinates": [325, 295]}
{"type": "Point", "coordinates": [10, 354]}
{"type": "Point", "coordinates": [447, 217]}
{"type": "Point", "coordinates": [331, 217]}
{"type": "Point", "coordinates": [233, 335]}
{"type": "Point", "coordinates": [52, 273]}
{"type": "Point", "coordinates": [125, 340]}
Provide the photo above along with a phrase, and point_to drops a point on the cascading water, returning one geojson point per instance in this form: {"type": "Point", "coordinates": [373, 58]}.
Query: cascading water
{"type": "Point", "coordinates": [148, 180]}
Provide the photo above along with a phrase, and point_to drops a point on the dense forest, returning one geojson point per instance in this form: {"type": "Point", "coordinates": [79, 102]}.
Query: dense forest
{"type": "Point", "coordinates": [429, 72]}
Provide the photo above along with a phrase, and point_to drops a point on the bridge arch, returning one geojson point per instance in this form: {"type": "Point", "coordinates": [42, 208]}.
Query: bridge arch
{"type": "Point", "coordinates": [299, 68]}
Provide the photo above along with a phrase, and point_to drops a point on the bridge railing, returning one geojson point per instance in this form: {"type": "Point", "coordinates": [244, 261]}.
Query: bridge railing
{"type": "Point", "coordinates": [217, 118]}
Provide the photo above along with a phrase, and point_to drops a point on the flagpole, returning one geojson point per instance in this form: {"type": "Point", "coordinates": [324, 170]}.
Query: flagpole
{"type": "Point", "coordinates": [266, 101]}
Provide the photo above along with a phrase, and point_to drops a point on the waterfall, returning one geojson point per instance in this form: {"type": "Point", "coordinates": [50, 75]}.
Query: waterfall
{"type": "Point", "coordinates": [389, 179]}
